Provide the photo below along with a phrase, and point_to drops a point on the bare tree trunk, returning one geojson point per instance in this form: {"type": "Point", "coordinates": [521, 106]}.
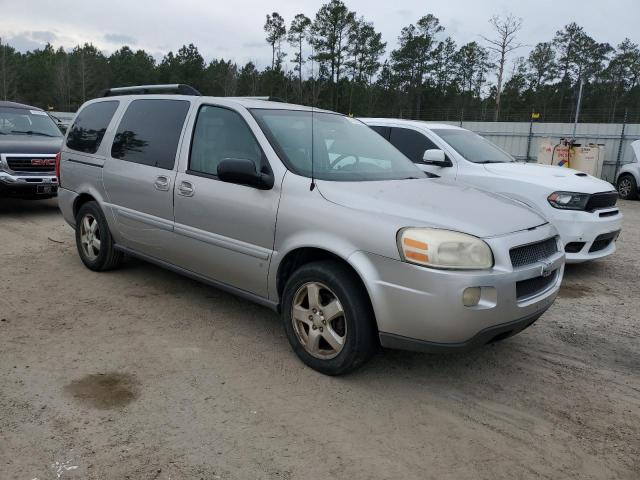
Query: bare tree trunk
{"type": "Point", "coordinates": [300, 69]}
{"type": "Point", "coordinates": [4, 70]}
{"type": "Point", "coordinates": [506, 29]}
{"type": "Point", "coordinates": [499, 91]}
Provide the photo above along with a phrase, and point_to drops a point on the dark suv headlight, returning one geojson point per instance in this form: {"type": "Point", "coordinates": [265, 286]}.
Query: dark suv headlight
{"type": "Point", "coordinates": [569, 200]}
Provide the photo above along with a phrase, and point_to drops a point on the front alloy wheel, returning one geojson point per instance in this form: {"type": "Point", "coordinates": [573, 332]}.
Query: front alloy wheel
{"type": "Point", "coordinates": [319, 320]}
{"type": "Point", "coordinates": [328, 317]}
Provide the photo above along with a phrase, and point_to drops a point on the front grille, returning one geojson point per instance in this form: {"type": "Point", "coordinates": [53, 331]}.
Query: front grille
{"type": "Point", "coordinates": [533, 253]}
{"type": "Point", "coordinates": [534, 286]}
{"type": "Point", "coordinates": [603, 241]}
{"type": "Point", "coordinates": [31, 164]}
{"type": "Point", "coordinates": [599, 201]}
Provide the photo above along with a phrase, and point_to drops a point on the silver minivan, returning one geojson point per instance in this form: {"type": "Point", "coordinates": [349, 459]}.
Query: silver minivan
{"type": "Point", "coordinates": [308, 212]}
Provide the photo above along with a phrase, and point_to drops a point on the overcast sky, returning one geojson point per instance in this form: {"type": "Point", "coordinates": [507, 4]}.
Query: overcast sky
{"type": "Point", "coordinates": [234, 28]}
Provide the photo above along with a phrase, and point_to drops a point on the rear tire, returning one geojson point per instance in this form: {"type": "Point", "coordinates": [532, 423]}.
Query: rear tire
{"type": "Point", "coordinates": [94, 240]}
{"type": "Point", "coordinates": [328, 317]}
{"type": "Point", "coordinates": [627, 187]}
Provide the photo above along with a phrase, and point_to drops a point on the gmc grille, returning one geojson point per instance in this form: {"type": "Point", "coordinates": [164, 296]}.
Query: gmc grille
{"type": "Point", "coordinates": [31, 164]}
{"type": "Point", "coordinates": [533, 253]}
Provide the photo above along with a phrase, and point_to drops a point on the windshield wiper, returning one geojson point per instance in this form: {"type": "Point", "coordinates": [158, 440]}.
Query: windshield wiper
{"type": "Point", "coordinates": [31, 132]}
{"type": "Point", "coordinates": [491, 161]}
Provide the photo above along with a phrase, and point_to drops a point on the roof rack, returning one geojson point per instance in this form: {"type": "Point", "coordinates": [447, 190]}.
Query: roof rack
{"type": "Point", "coordinates": [175, 88]}
{"type": "Point", "coordinates": [266, 99]}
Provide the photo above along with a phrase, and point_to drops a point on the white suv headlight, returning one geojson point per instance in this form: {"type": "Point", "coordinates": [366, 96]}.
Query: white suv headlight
{"type": "Point", "coordinates": [569, 200]}
{"type": "Point", "coordinates": [437, 248]}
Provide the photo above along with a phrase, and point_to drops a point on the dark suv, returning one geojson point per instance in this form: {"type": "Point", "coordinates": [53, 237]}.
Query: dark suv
{"type": "Point", "coordinates": [29, 142]}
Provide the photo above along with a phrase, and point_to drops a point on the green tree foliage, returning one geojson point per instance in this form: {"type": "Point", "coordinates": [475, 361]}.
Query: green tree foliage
{"type": "Point", "coordinates": [298, 35]}
{"type": "Point", "coordinates": [330, 34]}
{"type": "Point", "coordinates": [339, 61]}
{"type": "Point", "coordinates": [415, 57]}
{"type": "Point", "coordinates": [276, 32]}
{"type": "Point", "coordinates": [131, 68]}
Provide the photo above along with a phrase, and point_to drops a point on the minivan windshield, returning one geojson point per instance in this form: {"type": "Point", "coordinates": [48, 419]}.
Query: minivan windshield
{"type": "Point", "coordinates": [473, 147]}
{"type": "Point", "coordinates": [344, 149]}
{"type": "Point", "coordinates": [20, 121]}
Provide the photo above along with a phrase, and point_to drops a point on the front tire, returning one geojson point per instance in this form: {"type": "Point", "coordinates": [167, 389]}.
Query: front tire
{"type": "Point", "coordinates": [94, 240]}
{"type": "Point", "coordinates": [627, 187]}
{"type": "Point", "coordinates": [328, 317]}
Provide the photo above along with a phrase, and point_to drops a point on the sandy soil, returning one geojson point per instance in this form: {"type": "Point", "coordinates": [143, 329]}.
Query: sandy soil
{"type": "Point", "coordinates": [142, 374]}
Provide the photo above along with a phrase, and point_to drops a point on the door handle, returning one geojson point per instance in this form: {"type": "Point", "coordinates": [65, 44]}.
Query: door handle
{"type": "Point", "coordinates": [186, 189]}
{"type": "Point", "coordinates": [162, 183]}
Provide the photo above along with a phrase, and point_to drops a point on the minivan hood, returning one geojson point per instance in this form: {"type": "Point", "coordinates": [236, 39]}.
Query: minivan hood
{"type": "Point", "coordinates": [435, 202]}
{"type": "Point", "coordinates": [30, 144]}
{"type": "Point", "coordinates": [550, 176]}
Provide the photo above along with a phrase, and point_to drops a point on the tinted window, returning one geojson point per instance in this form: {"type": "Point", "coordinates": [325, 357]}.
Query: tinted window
{"type": "Point", "coordinates": [221, 133]}
{"type": "Point", "coordinates": [383, 131]}
{"type": "Point", "coordinates": [89, 126]}
{"type": "Point", "coordinates": [149, 132]}
{"type": "Point", "coordinates": [413, 144]}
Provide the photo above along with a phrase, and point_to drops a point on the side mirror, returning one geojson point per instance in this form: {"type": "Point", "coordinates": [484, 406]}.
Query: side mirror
{"type": "Point", "coordinates": [437, 158]}
{"type": "Point", "coordinates": [62, 128]}
{"type": "Point", "coordinates": [243, 172]}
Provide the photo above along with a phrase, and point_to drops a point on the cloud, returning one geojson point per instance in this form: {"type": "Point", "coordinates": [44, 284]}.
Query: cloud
{"type": "Point", "coordinates": [254, 44]}
{"type": "Point", "coordinates": [25, 41]}
{"type": "Point", "coordinates": [44, 36]}
{"type": "Point", "coordinates": [119, 39]}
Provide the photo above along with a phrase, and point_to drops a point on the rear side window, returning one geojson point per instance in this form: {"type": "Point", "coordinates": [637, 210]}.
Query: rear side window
{"type": "Point", "coordinates": [383, 131]}
{"type": "Point", "coordinates": [221, 133]}
{"type": "Point", "coordinates": [413, 144]}
{"type": "Point", "coordinates": [89, 126]}
{"type": "Point", "coordinates": [149, 132]}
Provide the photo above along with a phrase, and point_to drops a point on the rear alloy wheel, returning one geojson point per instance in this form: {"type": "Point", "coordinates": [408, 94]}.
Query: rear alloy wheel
{"type": "Point", "coordinates": [94, 241]}
{"type": "Point", "coordinates": [328, 317]}
{"type": "Point", "coordinates": [627, 187]}
{"type": "Point", "coordinates": [90, 237]}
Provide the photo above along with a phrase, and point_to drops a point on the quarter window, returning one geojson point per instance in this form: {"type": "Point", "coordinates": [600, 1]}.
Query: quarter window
{"type": "Point", "coordinates": [413, 144]}
{"type": "Point", "coordinates": [85, 135]}
{"type": "Point", "coordinates": [383, 131]}
{"type": "Point", "coordinates": [149, 132]}
{"type": "Point", "coordinates": [221, 133]}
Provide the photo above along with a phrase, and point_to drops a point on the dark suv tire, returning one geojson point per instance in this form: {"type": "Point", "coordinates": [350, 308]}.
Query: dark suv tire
{"type": "Point", "coordinates": [94, 240]}
{"type": "Point", "coordinates": [627, 187]}
{"type": "Point", "coordinates": [328, 317]}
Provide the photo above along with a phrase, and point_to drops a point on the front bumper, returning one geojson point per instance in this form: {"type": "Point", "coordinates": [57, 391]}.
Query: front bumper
{"type": "Point", "coordinates": [28, 185]}
{"type": "Point", "coordinates": [488, 335]}
{"type": "Point", "coordinates": [414, 303]}
{"type": "Point", "coordinates": [581, 232]}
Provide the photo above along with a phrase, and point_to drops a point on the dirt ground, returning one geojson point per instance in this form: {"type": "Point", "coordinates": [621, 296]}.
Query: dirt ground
{"type": "Point", "coordinates": [142, 374]}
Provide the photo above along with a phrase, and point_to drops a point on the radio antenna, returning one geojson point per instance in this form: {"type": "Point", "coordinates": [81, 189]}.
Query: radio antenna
{"type": "Point", "coordinates": [313, 99]}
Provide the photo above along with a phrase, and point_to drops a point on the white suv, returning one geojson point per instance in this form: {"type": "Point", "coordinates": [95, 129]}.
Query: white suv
{"type": "Point", "coordinates": [582, 207]}
{"type": "Point", "coordinates": [628, 178]}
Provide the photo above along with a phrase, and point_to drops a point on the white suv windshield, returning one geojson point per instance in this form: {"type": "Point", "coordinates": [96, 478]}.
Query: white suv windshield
{"type": "Point", "coordinates": [20, 121]}
{"type": "Point", "coordinates": [473, 147]}
{"type": "Point", "coordinates": [344, 149]}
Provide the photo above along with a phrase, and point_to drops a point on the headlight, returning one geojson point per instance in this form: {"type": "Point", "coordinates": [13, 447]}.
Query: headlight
{"type": "Point", "coordinates": [443, 249]}
{"type": "Point", "coordinates": [569, 200]}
